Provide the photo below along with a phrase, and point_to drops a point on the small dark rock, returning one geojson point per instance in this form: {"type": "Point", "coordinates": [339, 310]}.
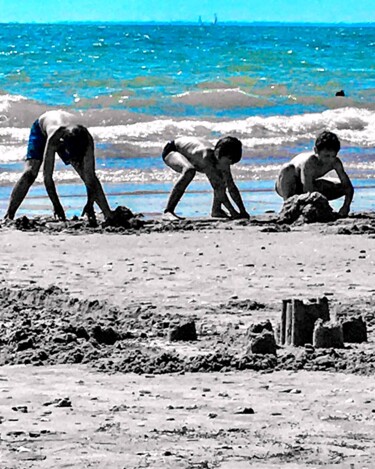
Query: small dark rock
{"type": "Point", "coordinates": [327, 335]}
{"type": "Point", "coordinates": [354, 330]}
{"type": "Point", "coordinates": [82, 333]}
{"type": "Point", "coordinates": [59, 339]}
{"type": "Point", "coordinates": [25, 344]}
{"type": "Point", "coordinates": [19, 335]}
{"type": "Point", "coordinates": [263, 343]}
{"type": "Point", "coordinates": [259, 327]}
{"type": "Point", "coordinates": [65, 402]}
{"type": "Point", "coordinates": [21, 408]}
{"type": "Point", "coordinates": [246, 410]}
{"type": "Point", "coordinates": [105, 335]}
{"type": "Point", "coordinates": [186, 331]}
{"type": "Point", "coordinates": [24, 223]}
{"type": "Point", "coordinates": [78, 356]}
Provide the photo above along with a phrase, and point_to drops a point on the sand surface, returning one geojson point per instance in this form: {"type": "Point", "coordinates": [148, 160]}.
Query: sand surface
{"type": "Point", "coordinates": [127, 397]}
{"type": "Point", "coordinates": [299, 420]}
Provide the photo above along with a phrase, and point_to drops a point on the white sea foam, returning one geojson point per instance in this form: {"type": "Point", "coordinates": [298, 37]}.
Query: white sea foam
{"type": "Point", "coordinates": [355, 127]}
{"type": "Point", "coordinates": [141, 176]}
{"type": "Point", "coordinates": [220, 99]}
{"type": "Point", "coordinates": [9, 153]}
{"type": "Point", "coordinates": [6, 101]}
{"type": "Point", "coordinates": [265, 171]}
{"type": "Point", "coordinates": [14, 134]}
{"type": "Point", "coordinates": [8, 178]}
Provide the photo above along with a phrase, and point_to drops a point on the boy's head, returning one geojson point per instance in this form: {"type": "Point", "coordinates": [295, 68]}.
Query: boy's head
{"type": "Point", "coordinates": [76, 141]}
{"type": "Point", "coordinates": [229, 147]}
{"type": "Point", "coordinates": [327, 141]}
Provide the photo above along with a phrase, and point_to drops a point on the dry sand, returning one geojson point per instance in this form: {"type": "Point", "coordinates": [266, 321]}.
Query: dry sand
{"type": "Point", "coordinates": [300, 411]}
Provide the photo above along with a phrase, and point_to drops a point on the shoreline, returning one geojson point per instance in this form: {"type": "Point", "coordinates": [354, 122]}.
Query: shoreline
{"type": "Point", "coordinates": [150, 199]}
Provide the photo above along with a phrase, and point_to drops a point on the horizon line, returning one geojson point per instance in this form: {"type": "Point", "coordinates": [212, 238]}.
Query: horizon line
{"type": "Point", "coordinates": [196, 23]}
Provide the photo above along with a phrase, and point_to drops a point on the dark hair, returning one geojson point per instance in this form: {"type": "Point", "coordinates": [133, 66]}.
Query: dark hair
{"type": "Point", "coordinates": [327, 140]}
{"type": "Point", "coordinates": [230, 147]}
{"type": "Point", "coordinates": [76, 142]}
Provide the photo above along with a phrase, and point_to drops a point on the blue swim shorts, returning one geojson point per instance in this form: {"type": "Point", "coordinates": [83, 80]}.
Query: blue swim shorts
{"type": "Point", "coordinates": [37, 143]}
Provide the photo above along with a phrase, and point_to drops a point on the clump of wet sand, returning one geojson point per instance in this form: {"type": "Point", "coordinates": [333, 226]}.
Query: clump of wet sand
{"type": "Point", "coordinates": [296, 212]}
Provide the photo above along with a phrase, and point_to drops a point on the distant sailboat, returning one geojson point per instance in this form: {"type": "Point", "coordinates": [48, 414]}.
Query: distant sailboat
{"type": "Point", "coordinates": [214, 22]}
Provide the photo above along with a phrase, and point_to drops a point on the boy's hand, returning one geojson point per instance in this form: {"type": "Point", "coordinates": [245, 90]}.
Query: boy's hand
{"type": "Point", "coordinates": [244, 215]}
{"type": "Point", "coordinates": [343, 212]}
{"type": "Point", "coordinates": [236, 216]}
{"type": "Point", "coordinates": [219, 213]}
{"type": "Point", "coordinates": [59, 213]}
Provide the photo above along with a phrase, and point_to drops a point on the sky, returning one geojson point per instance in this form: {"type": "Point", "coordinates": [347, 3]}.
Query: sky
{"type": "Point", "coordinates": [310, 11]}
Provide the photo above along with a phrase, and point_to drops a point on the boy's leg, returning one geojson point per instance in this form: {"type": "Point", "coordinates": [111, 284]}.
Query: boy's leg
{"type": "Point", "coordinates": [22, 187]}
{"type": "Point", "coordinates": [180, 164]}
{"type": "Point", "coordinates": [331, 189]}
{"type": "Point", "coordinates": [287, 182]}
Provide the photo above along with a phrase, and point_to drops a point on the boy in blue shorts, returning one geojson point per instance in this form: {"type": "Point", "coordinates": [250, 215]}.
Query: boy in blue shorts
{"type": "Point", "coordinates": [58, 132]}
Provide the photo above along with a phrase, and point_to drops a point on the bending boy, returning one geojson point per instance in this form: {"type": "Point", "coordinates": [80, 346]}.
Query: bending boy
{"type": "Point", "coordinates": [58, 132]}
{"type": "Point", "coordinates": [304, 173]}
{"type": "Point", "coordinates": [187, 155]}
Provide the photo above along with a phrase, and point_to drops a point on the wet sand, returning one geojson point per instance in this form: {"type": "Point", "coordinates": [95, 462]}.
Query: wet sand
{"type": "Point", "coordinates": [130, 407]}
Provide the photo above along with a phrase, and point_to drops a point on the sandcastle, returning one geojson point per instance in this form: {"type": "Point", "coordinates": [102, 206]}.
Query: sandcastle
{"type": "Point", "coordinates": [298, 319]}
{"type": "Point", "coordinates": [308, 322]}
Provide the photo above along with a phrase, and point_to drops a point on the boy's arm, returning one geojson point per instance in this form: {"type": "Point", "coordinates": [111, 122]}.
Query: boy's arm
{"type": "Point", "coordinates": [307, 175]}
{"type": "Point", "coordinates": [233, 189]}
{"type": "Point", "coordinates": [48, 167]}
{"type": "Point", "coordinates": [218, 184]}
{"type": "Point", "coordinates": [347, 187]}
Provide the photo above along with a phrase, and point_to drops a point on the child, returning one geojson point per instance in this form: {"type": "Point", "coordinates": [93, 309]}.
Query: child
{"type": "Point", "coordinates": [304, 173]}
{"type": "Point", "coordinates": [187, 155]}
{"type": "Point", "coordinates": [57, 132]}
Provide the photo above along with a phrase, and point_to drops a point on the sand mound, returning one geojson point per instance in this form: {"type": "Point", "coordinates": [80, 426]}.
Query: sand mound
{"type": "Point", "coordinates": [124, 221]}
{"type": "Point", "coordinates": [125, 218]}
{"type": "Point", "coordinates": [307, 208]}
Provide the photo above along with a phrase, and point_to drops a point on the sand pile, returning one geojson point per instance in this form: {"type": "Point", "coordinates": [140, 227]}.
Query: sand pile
{"type": "Point", "coordinates": [298, 210]}
{"type": "Point", "coordinates": [123, 223]}
{"type": "Point", "coordinates": [307, 208]}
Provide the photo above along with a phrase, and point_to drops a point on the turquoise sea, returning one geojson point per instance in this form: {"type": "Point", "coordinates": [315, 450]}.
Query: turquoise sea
{"type": "Point", "coordinates": [138, 86]}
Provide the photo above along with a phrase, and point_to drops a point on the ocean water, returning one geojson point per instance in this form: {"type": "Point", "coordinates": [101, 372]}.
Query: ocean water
{"type": "Point", "coordinates": [138, 86]}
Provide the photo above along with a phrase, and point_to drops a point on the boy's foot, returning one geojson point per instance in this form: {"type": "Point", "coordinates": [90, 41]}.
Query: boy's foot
{"type": "Point", "coordinates": [169, 216]}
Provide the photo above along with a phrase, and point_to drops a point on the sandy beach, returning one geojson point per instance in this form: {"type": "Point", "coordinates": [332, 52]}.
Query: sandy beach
{"type": "Point", "coordinates": [168, 345]}
{"type": "Point", "coordinates": [89, 377]}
